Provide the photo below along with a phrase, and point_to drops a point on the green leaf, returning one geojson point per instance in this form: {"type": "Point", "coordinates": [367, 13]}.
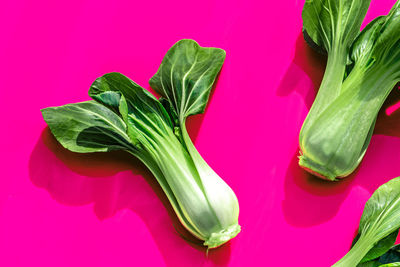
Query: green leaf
{"type": "Point", "coordinates": [365, 41]}
{"type": "Point", "coordinates": [378, 45]}
{"type": "Point", "coordinates": [170, 110]}
{"type": "Point", "coordinates": [87, 127]}
{"type": "Point", "coordinates": [377, 264]}
{"type": "Point", "coordinates": [388, 40]}
{"type": "Point", "coordinates": [381, 215]}
{"type": "Point", "coordinates": [391, 256]}
{"type": "Point", "coordinates": [369, 264]}
{"type": "Point", "coordinates": [330, 23]}
{"type": "Point", "coordinates": [186, 76]}
{"type": "Point", "coordinates": [144, 115]}
{"type": "Point", "coordinates": [380, 218]}
{"type": "Point", "coordinates": [380, 248]}
{"type": "Point", "coordinates": [140, 101]}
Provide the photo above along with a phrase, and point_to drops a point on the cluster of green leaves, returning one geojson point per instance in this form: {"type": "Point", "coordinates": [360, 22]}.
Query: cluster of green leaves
{"type": "Point", "coordinates": [125, 116]}
{"type": "Point", "coordinates": [378, 230]}
{"type": "Point", "coordinates": [361, 71]}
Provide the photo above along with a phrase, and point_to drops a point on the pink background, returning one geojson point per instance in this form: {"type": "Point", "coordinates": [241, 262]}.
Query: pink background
{"type": "Point", "coordinates": [59, 208]}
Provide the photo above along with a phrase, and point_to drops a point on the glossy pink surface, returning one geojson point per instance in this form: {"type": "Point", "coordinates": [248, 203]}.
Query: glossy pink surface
{"type": "Point", "coordinates": [59, 208]}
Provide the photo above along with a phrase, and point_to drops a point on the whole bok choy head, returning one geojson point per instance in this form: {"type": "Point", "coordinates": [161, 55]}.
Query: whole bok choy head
{"type": "Point", "coordinates": [124, 116]}
{"type": "Point", "coordinates": [378, 230]}
{"type": "Point", "coordinates": [360, 74]}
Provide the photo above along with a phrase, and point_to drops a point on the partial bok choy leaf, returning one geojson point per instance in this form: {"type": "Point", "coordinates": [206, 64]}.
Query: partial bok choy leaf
{"type": "Point", "coordinates": [390, 258]}
{"type": "Point", "coordinates": [127, 117]}
{"type": "Point", "coordinates": [380, 248]}
{"type": "Point", "coordinates": [332, 26]}
{"type": "Point", "coordinates": [337, 131]}
{"type": "Point", "coordinates": [378, 229]}
{"type": "Point", "coordinates": [87, 127]}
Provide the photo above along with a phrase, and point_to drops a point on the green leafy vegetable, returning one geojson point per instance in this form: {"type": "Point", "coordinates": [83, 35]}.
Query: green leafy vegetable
{"type": "Point", "coordinates": [87, 127]}
{"type": "Point", "coordinates": [186, 76]}
{"type": "Point", "coordinates": [338, 129]}
{"type": "Point", "coordinates": [379, 248]}
{"type": "Point", "coordinates": [127, 117]}
{"type": "Point", "coordinates": [378, 229]}
{"type": "Point", "coordinates": [378, 264]}
{"type": "Point", "coordinates": [332, 25]}
{"type": "Point", "coordinates": [390, 258]}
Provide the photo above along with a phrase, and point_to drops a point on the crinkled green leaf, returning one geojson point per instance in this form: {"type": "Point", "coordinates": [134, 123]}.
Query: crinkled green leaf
{"type": "Point", "coordinates": [365, 41]}
{"type": "Point", "coordinates": [333, 22]}
{"type": "Point", "coordinates": [378, 45]}
{"type": "Point", "coordinates": [171, 111]}
{"type": "Point", "coordinates": [380, 248]}
{"type": "Point", "coordinates": [380, 219]}
{"type": "Point", "coordinates": [392, 255]}
{"type": "Point", "coordinates": [186, 76]}
{"type": "Point", "coordinates": [143, 113]}
{"type": "Point", "coordinates": [377, 264]}
{"type": "Point", "coordinates": [387, 45]}
{"type": "Point", "coordinates": [87, 127]}
{"type": "Point", "coordinates": [381, 215]}
{"type": "Point", "coordinates": [369, 264]}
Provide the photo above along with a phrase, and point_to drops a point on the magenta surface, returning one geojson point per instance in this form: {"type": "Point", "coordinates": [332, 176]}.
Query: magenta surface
{"type": "Point", "coordinates": [59, 208]}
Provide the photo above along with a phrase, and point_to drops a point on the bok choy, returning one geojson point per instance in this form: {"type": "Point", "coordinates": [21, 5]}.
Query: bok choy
{"type": "Point", "coordinates": [361, 71]}
{"type": "Point", "coordinates": [124, 116]}
{"type": "Point", "coordinates": [378, 230]}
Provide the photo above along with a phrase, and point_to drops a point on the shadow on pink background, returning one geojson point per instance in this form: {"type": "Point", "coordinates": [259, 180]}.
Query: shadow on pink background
{"type": "Point", "coordinates": [304, 74]}
{"type": "Point", "coordinates": [59, 208]}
